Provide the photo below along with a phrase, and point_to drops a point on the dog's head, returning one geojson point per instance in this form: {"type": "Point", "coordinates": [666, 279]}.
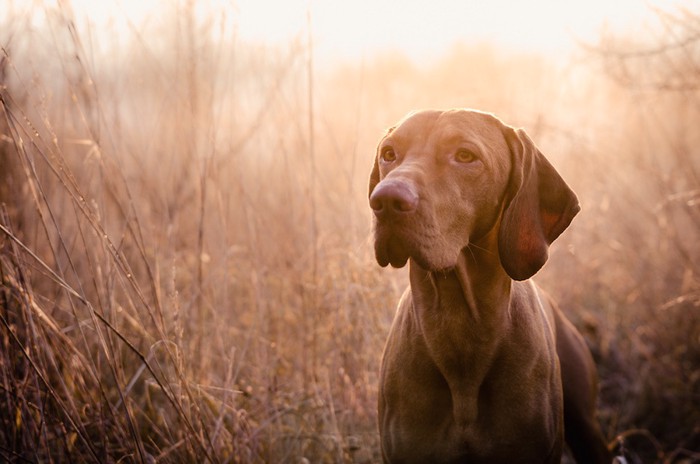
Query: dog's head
{"type": "Point", "coordinates": [443, 180]}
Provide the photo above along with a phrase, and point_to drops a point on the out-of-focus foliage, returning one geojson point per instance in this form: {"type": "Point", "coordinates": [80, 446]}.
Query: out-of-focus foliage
{"type": "Point", "coordinates": [185, 264]}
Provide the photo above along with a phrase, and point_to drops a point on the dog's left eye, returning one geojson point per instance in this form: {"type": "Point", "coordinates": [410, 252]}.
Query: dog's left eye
{"type": "Point", "coordinates": [388, 155]}
{"type": "Point", "coordinates": [465, 156]}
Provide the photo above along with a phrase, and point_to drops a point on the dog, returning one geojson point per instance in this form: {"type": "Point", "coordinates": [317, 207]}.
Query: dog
{"type": "Point", "coordinates": [480, 365]}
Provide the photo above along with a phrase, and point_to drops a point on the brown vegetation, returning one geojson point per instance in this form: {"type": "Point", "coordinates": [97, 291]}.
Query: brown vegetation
{"type": "Point", "coordinates": [185, 272]}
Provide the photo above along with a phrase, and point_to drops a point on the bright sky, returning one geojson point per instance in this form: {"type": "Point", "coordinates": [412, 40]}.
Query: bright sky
{"type": "Point", "coordinates": [423, 27]}
{"type": "Point", "coordinates": [348, 29]}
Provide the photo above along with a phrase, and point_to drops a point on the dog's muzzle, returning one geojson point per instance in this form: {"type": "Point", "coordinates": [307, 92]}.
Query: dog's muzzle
{"type": "Point", "coordinates": [395, 203]}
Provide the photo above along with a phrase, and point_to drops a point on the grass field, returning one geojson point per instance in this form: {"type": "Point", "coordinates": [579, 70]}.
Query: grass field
{"type": "Point", "coordinates": [186, 272]}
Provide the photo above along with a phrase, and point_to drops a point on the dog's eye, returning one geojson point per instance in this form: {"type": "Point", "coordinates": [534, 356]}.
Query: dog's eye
{"type": "Point", "coordinates": [388, 154]}
{"type": "Point", "coordinates": [464, 156]}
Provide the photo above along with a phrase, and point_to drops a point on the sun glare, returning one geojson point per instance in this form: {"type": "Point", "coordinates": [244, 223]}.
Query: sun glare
{"type": "Point", "coordinates": [422, 28]}
{"type": "Point", "coordinates": [419, 28]}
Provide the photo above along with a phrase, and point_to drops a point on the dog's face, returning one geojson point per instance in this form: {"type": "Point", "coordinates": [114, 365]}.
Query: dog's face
{"type": "Point", "coordinates": [442, 177]}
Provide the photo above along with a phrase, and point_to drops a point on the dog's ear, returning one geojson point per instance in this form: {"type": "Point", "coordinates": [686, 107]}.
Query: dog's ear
{"type": "Point", "coordinates": [538, 207]}
{"type": "Point", "coordinates": [374, 176]}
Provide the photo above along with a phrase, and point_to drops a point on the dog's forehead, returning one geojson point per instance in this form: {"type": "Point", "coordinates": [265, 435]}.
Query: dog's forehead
{"type": "Point", "coordinates": [442, 125]}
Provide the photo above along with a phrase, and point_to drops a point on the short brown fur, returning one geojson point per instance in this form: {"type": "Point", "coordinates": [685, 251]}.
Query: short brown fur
{"type": "Point", "coordinates": [480, 365]}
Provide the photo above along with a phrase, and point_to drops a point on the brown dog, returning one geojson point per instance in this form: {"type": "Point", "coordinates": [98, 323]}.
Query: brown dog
{"type": "Point", "coordinates": [477, 367]}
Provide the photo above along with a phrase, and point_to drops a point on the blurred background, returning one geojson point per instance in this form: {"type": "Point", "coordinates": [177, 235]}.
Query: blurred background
{"type": "Point", "coordinates": [186, 269]}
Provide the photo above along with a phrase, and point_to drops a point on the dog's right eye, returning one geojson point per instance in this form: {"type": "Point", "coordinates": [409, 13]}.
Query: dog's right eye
{"type": "Point", "coordinates": [388, 155]}
{"type": "Point", "coordinates": [465, 156]}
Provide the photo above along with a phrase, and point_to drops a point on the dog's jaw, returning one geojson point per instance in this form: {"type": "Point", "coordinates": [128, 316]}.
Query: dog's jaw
{"type": "Point", "coordinates": [396, 243]}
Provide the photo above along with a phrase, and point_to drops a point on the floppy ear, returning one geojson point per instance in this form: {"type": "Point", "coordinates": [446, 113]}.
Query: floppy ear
{"type": "Point", "coordinates": [538, 207]}
{"type": "Point", "coordinates": [374, 176]}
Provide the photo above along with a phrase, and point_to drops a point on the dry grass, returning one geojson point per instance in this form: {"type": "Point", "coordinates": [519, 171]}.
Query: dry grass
{"type": "Point", "coordinates": [184, 261]}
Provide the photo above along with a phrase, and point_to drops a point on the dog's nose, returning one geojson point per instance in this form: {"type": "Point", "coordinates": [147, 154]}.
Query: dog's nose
{"type": "Point", "coordinates": [393, 196]}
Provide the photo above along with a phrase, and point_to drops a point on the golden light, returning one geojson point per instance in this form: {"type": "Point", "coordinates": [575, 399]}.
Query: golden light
{"type": "Point", "coordinates": [418, 28]}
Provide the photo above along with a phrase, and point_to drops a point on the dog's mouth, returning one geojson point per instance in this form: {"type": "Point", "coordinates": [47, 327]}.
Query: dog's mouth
{"type": "Point", "coordinates": [390, 249]}
{"type": "Point", "coordinates": [395, 243]}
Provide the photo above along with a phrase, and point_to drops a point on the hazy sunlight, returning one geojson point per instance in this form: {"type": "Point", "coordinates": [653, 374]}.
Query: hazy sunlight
{"type": "Point", "coordinates": [187, 266]}
{"type": "Point", "coordinates": [421, 29]}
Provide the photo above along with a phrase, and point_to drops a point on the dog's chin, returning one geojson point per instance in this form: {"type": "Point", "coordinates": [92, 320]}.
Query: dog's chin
{"type": "Point", "coordinates": [439, 264]}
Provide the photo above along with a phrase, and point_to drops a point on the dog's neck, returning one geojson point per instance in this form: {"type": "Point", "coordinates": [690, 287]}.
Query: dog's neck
{"type": "Point", "coordinates": [475, 288]}
{"type": "Point", "coordinates": [469, 302]}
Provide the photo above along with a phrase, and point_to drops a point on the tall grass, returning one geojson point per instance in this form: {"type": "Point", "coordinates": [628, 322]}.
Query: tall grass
{"type": "Point", "coordinates": [184, 255]}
